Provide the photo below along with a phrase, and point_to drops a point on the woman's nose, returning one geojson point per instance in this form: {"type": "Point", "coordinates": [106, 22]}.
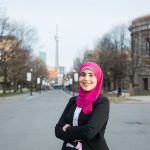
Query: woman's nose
{"type": "Point", "coordinates": [86, 77]}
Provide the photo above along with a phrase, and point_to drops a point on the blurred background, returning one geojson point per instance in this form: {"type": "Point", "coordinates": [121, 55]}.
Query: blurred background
{"type": "Point", "coordinates": [42, 47]}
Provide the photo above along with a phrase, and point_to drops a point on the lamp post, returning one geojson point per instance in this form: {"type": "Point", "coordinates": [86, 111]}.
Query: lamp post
{"type": "Point", "coordinates": [38, 83]}
{"type": "Point", "coordinates": [108, 81]}
{"type": "Point", "coordinates": [75, 79]}
{"type": "Point", "coordinates": [69, 84]}
{"type": "Point", "coordinates": [44, 83]}
{"type": "Point", "coordinates": [0, 56]}
{"type": "Point", "coordinates": [73, 82]}
{"type": "Point", "coordinates": [0, 52]}
{"type": "Point", "coordinates": [31, 82]}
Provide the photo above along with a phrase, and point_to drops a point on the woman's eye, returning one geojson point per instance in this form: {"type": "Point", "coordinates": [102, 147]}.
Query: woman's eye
{"type": "Point", "coordinates": [91, 75]}
{"type": "Point", "coordinates": [82, 74]}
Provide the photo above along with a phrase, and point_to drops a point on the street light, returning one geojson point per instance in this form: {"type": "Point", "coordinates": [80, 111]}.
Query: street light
{"type": "Point", "coordinates": [1, 55]}
{"type": "Point", "coordinates": [75, 79]}
{"type": "Point", "coordinates": [69, 84]}
{"type": "Point", "coordinates": [107, 81]}
{"type": "Point", "coordinates": [38, 83]}
{"type": "Point", "coordinates": [44, 83]}
{"type": "Point", "coordinates": [73, 71]}
{"type": "Point", "coordinates": [31, 82]}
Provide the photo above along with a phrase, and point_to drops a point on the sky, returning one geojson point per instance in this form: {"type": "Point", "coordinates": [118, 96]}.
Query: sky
{"type": "Point", "coordinates": [81, 22]}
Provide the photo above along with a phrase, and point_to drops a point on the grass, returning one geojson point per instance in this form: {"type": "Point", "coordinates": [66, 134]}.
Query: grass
{"type": "Point", "coordinates": [141, 94]}
{"type": "Point", "coordinates": [11, 94]}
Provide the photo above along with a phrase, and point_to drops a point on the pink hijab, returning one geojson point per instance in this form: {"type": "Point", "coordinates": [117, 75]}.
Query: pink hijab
{"type": "Point", "coordinates": [86, 98]}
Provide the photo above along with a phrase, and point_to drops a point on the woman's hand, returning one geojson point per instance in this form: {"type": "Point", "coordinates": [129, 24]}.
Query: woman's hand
{"type": "Point", "coordinates": [79, 146]}
{"type": "Point", "coordinates": [65, 127]}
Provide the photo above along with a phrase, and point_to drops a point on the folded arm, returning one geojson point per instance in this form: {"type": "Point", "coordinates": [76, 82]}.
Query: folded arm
{"type": "Point", "coordinates": [96, 122]}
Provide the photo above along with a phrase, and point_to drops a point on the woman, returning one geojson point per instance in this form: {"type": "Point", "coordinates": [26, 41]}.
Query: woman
{"type": "Point", "coordinates": [83, 122]}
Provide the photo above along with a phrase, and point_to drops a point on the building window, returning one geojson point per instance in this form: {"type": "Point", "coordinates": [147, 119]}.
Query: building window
{"type": "Point", "coordinates": [147, 46]}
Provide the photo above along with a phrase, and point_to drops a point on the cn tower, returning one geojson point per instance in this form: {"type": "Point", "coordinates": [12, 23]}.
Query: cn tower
{"type": "Point", "coordinates": [57, 48]}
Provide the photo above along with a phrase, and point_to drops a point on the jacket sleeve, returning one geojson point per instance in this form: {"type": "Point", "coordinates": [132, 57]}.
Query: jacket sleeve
{"type": "Point", "coordinates": [59, 126]}
{"type": "Point", "coordinates": [96, 122]}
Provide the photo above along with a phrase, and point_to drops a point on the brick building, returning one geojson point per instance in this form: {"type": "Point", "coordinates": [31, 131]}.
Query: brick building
{"type": "Point", "coordinates": [140, 39]}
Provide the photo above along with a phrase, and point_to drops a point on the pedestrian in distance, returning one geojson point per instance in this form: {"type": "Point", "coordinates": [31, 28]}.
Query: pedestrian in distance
{"type": "Point", "coordinates": [119, 91]}
{"type": "Point", "coordinates": [82, 124]}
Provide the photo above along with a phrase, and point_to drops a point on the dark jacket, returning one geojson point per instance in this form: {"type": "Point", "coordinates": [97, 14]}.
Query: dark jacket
{"type": "Point", "coordinates": [91, 127]}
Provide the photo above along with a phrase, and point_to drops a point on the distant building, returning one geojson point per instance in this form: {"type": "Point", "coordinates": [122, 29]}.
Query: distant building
{"type": "Point", "coordinates": [42, 56]}
{"type": "Point", "coordinates": [61, 70]}
{"type": "Point", "coordinates": [140, 38]}
{"type": "Point", "coordinates": [7, 44]}
{"type": "Point", "coordinates": [53, 73]}
{"type": "Point", "coordinates": [56, 75]}
{"type": "Point", "coordinates": [76, 63]}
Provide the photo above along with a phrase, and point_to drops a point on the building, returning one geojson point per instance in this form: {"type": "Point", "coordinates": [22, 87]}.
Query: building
{"type": "Point", "coordinates": [140, 39]}
{"type": "Point", "coordinates": [7, 44]}
{"type": "Point", "coordinates": [52, 71]}
{"type": "Point", "coordinates": [56, 76]}
{"type": "Point", "coordinates": [42, 56]}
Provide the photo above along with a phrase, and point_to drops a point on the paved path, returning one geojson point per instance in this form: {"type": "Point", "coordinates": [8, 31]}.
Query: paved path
{"type": "Point", "coordinates": [27, 123]}
{"type": "Point", "coordinates": [141, 99]}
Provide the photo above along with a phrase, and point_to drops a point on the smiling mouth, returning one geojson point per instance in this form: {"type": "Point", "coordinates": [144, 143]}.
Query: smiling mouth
{"type": "Point", "coordinates": [86, 84]}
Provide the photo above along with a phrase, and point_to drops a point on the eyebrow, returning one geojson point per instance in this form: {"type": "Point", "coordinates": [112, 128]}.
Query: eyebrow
{"type": "Point", "coordinates": [86, 73]}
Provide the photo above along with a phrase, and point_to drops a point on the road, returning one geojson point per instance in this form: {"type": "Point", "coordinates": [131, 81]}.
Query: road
{"type": "Point", "coordinates": [27, 123]}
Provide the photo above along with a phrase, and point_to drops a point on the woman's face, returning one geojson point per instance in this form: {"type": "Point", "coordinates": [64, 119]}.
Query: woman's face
{"type": "Point", "coordinates": [87, 80]}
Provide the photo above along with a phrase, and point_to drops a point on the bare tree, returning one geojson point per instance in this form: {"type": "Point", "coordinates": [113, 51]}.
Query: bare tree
{"type": "Point", "coordinates": [39, 70]}
{"type": "Point", "coordinates": [5, 48]}
{"type": "Point", "coordinates": [113, 55]}
{"type": "Point", "coordinates": [18, 69]}
{"type": "Point", "coordinates": [120, 38]}
{"type": "Point", "coordinates": [13, 37]}
{"type": "Point", "coordinates": [105, 43]}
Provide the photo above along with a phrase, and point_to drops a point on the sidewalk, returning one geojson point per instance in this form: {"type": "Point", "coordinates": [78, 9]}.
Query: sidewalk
{"type": "Point", "coordinates": [130, 99]}
{"type": "Point", "coordinates": [140, 99]}
{"type": "Point", "coordinates": [24, 96]}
